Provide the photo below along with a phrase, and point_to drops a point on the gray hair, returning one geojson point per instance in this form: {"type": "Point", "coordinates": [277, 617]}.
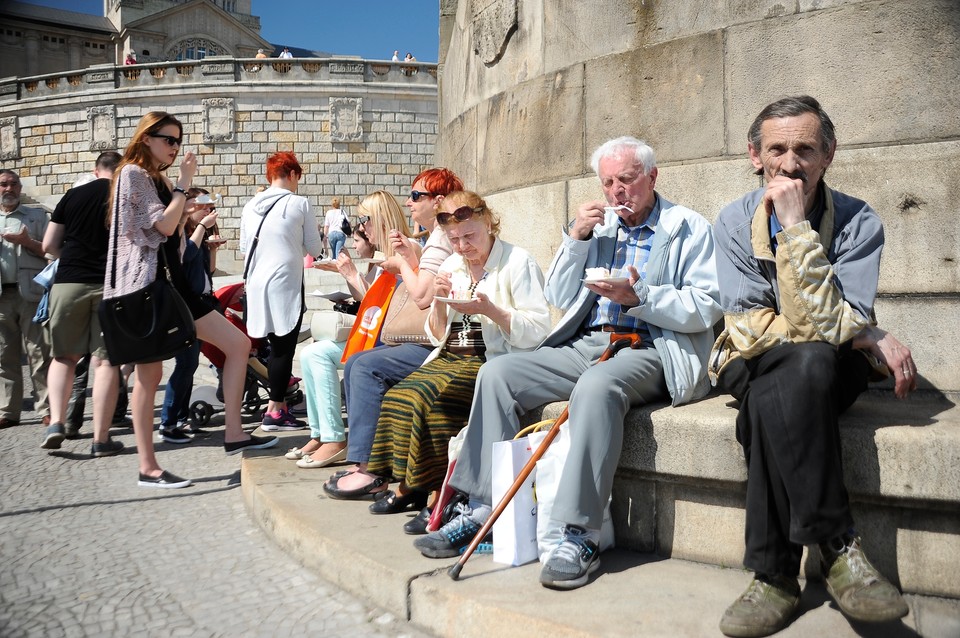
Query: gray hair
{"type": "Point", "coordinates": [642, 153]}
{"type": "Point", "coordinates": [793, 107]}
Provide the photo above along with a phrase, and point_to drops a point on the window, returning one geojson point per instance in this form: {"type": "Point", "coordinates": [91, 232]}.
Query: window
{"type": "Point", "coordinates": [195, 49]}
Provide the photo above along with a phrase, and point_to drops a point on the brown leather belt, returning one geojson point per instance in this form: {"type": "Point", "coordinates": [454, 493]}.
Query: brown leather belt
{"type": "Point", "coordinates": [611, 328]}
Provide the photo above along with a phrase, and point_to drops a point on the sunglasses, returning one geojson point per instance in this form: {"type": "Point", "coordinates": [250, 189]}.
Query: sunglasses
{"type": "Point", "coordinates": [169, 139]}
{"type": "Point", "coordinates": [462, 214]}
{"type": "Point", "coordinates": [416, 195]}
{"type": "Point", "coordinates": [363, 220]}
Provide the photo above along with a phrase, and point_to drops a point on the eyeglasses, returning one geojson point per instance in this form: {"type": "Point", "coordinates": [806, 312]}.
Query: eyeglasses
{"type": "Point", "coordinates": [462, 214]}
{"type": "Point", "coordinates": [416, 195]}
{"type": "Point", "coordinates": [170, 140]}
{"type": "Point", "coordinates": [363, 220]}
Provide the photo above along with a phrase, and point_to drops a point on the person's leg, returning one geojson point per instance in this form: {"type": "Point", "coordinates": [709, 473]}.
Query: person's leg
{"type": "Point", "coordinates": [507, 388]}
{"type": "Point", "coordinates": [319, 363]}
{"type": "Point", "coordinates": [368, 376]}
{"type": "Point", "coordinates": [146, 379]}
{"type": "Point", "coordinates": [788, 426]}
{"type": "Point", "coordinates": [280, 366]}
{"type": "Point", "coordinates": [105, 389]}
{"type": "Point", "coordinates": [216, 330]}
{"type": "Point", "coordinates": [59, 382]}
{"type": "Point", "coordinates": [11, 349]}
{"type": "Point", "coordinates": [78, 397]}
{"type": "Point", "coordinates": [598, 405]}
{"type": "Point", "coordinates": [37, 344]}
{"type": "Point", "coordinates": [179, 377]}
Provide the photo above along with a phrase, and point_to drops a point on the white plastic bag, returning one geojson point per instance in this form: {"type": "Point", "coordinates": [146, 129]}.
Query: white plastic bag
{"type": "Point", "coordinates": [515, 531]}
{"type": "Point", "coordinates": [549, 469]}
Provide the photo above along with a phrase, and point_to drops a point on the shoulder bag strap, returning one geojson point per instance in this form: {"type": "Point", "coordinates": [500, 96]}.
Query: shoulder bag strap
{"type": "Point", "coordinates": [116, 231]}
{"type": "Point", "coordinates": [256, 238]}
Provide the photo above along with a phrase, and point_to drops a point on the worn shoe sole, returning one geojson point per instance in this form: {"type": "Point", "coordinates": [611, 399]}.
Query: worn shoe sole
{"type": "Point", "coordinates": [282, 427]}
{"type": "Point", "coordinates": [53, 440]}
{"type": "Point", "coordinates": [547, 581]}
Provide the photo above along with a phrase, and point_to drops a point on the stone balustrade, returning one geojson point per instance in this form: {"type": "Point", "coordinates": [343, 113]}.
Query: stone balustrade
{"type": "Point", "coordinates": [218, 70]}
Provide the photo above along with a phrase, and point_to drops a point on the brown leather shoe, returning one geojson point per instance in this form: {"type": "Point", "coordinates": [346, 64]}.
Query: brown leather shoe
{"type": "Point", "coordinates": [7, 423]}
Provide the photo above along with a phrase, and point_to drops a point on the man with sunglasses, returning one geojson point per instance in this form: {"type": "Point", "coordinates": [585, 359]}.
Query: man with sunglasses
{"type": "Point", "coordinates": [662, 286]}
{"type": "Point", "coordinates": [21, 259]}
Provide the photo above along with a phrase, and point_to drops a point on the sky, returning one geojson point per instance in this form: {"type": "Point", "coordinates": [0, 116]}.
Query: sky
{"type": "Point", "coordinates": [371, 29]}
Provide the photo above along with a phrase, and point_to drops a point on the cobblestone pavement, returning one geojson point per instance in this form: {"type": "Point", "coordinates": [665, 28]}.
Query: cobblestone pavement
{"type": "Point", "coordinates": [85, 552]}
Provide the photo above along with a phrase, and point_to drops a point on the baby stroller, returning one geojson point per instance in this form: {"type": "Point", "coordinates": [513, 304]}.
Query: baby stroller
{"type": "Point", "coordinates": [204, 403]}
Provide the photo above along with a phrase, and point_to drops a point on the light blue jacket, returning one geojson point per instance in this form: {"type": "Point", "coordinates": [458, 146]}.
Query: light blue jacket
{"type": "Point", "coordinates": [679, 300]}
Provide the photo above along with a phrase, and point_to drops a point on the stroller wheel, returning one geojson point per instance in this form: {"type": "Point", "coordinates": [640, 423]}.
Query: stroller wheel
{"type": "Point", "coordinates": [200, 413]}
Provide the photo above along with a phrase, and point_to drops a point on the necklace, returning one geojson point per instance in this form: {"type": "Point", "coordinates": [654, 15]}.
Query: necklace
{"type": "Point", "coordinates": [462, 337]}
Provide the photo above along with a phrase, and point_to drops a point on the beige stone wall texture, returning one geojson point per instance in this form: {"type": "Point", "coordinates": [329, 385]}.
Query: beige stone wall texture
{"type": "Point", "coordinates": [398, 139]}
{"type": "Point", "coordinates": [519, 123]}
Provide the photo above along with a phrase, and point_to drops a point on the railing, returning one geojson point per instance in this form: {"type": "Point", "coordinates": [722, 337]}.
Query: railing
{"type": "Point", "coordinates": [219, 70]}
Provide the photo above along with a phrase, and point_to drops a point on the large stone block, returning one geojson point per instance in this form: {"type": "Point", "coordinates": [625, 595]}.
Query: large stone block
{"type": "Point", "coordinates": [533, 132]}
{"type": "Point", "coordinates": [467, 80]}
{"type": "Point", "coordinates": [929, 327]}
{"type": "Point", "coordinates": [532, 218]}
{"type": "Point", "coordinates": [587, 29]}
{"type": "Point", "coordinates": [847, 55]}
{"type": "Point", "coordinates": [457, 148]}
{"type": "Point", "coordinates": [670, 95]}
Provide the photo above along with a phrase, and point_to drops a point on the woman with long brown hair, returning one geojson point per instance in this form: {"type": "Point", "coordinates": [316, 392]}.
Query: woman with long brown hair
{"type": "Point", "coordinates": [149, 209]}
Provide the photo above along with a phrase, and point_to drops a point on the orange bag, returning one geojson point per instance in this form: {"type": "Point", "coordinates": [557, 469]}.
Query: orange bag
{"type": "Point", "coordinates": [370, 316]}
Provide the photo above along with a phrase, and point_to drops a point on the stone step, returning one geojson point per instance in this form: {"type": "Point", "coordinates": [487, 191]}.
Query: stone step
{"type": "Point", "coordinates": [680, 486]}
{"type": "Point", "coordinates": [632, 594]}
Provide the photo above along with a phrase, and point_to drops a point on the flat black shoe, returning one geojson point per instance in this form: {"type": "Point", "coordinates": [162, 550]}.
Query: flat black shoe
{"type": "Point", "coordinates": [418, 524]}
{"type": "Point", "coordinates": [392, 503]}
{"type": "Point", "coordinates": [352, 495]}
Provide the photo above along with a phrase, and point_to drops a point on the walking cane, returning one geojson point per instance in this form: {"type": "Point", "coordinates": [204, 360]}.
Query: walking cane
{"type": "Point", "coordinates": [618, 341]}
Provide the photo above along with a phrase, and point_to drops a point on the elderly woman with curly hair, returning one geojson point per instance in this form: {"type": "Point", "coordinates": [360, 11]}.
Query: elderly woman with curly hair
{"type": "Point", "coordinates": [489, 301]}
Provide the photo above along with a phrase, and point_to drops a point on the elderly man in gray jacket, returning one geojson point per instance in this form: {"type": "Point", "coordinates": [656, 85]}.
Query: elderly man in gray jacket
{"type": "Point", "coordinates": [661, 286]}
{"type": "Point", "coordinates": [799, 265]}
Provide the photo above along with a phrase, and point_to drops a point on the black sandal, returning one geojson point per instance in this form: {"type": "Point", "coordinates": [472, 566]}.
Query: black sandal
{"type": "Point", "coordinates": [389, 502]}
{"type": "Point", "coordinates": [352, 495]}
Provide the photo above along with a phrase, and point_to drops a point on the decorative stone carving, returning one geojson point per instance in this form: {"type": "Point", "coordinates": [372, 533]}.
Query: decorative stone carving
{"type": "Point", "coordinates": [9, 138]}
{"type": "Point", "coordinates": [493, 22]}
{"type": "Point", "coordinates": [346, 119]}
{"type": "Point", "coordinates": [102, 127]}
{"type": "Point", "coordinates": [353, 68]}
{"type": "Point", "coordinates": [219, 123]}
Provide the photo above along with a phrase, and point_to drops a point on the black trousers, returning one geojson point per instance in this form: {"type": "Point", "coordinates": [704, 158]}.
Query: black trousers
{"type": "Point", "coordinates": [280, 364]}
{"type": "Point", "coordinates": [790, 401]}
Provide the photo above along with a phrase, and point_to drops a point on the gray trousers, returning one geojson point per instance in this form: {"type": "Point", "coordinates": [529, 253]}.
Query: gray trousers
{"type": "Point", "coordinates": [600, 396]}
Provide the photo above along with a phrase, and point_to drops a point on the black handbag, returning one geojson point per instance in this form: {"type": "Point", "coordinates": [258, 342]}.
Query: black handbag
{"type": "Point", "coordinates": [345, 226]}
{"type": "Point", "coordinates": [151, 324]}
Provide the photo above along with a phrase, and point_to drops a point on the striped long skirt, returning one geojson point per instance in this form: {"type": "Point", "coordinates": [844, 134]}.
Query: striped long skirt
{"type": "Point", "coordinates": [418, 417]}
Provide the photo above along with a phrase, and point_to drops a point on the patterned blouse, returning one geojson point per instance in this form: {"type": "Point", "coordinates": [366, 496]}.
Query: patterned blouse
{"type": "Point", "coordinates": [139, 207]}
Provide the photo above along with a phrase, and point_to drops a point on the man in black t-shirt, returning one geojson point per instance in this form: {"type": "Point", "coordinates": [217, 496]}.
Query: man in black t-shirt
{"type": "Point", "coordinates": [77, 235]}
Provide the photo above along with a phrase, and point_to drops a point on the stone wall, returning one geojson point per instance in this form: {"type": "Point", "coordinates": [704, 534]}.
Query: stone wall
{"type": "Point", "coordinates": [529, 89]}
{"type": "Point", "coordinates": [355, 127]}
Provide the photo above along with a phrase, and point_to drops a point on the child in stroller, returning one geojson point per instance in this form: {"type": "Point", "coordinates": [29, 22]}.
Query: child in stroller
{"type": "Point", "coordinates": [255, 395]}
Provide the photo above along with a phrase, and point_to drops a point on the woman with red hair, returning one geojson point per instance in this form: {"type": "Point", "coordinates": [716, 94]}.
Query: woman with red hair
{"type": "Point", "coordinates": [277, 230]}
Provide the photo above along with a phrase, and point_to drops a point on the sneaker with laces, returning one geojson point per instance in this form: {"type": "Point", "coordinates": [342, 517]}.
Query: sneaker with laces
{"type": "Point", "coordinates": [53, 437]}
{"type": "Point", "coordinates": [107, 448]}
{"type": "Point", "coordinates": [447, 541]}
{"type": "Point", "coordinates": [253, 443]}
{"type": "Point", "coordinates": [174, 435]}
{"type": "Point", "coordinates": [281, 421]}
{"type": "Point", "coordinates": [572, 561]}
{"type": "Point", "coordinates": [764, 608]}
{"type": "Point", "coordinates": [861, 592]}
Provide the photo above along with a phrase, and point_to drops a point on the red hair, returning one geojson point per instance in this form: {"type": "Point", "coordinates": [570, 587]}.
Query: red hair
{"type": "Point", "coordinates": [439, 181]}
{"type": "Point", "coordinates": [281, 164]}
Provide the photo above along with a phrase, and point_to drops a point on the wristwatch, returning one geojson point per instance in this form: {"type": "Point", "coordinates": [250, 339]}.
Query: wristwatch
{"type": "Point", "coordinates": [177, 189]}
